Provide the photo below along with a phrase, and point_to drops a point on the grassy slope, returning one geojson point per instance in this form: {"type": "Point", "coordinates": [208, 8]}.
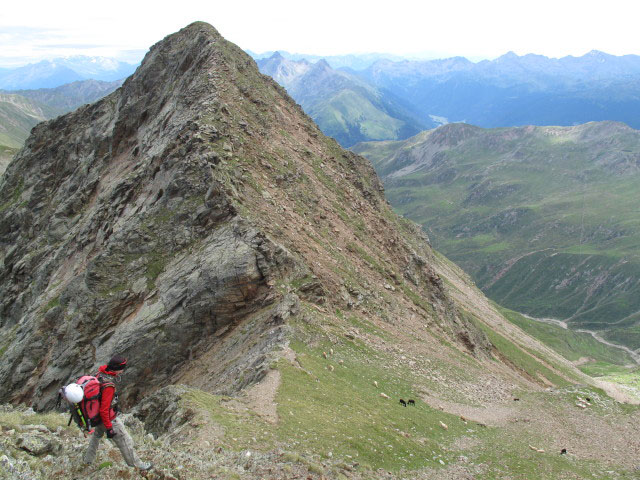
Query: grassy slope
{"type": "Point", "coordinates": [350, 117]}
{"type": "Point", "coordinates": [6, 154]}
{"type": "Point", "coordinates": [338, 416]}
{"type": "Point", "coordinates": [18, 115]}
{"type": "Point", "coordinates": [21, 111]}
{"type": "Point", "coordinates": [594, 358]}
{"type": "Point", "coordinates": [333, 421]}
{"type": "Point", "coordinates": [567, 194]}
{"type": "Point", "coordinates": [333, 418]}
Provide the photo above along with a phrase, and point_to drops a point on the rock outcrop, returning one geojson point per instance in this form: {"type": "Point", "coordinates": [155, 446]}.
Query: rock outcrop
{"type": "Point", "coordinates": [179, 218]}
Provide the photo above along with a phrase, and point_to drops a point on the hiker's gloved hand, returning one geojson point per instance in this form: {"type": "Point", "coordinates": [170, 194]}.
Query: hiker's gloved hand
{"type": "Point", "coordinates": [111, 433]}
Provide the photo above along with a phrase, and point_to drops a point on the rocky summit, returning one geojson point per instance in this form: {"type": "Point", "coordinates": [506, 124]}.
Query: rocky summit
{"type": "Point", "coordinates": [162, 221]}
{"type": "Point", "coordinates": [279, 319]}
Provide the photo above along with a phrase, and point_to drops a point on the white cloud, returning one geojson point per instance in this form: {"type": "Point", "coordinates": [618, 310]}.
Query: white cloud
{"type": "Point", "coordinates": [39, 29]}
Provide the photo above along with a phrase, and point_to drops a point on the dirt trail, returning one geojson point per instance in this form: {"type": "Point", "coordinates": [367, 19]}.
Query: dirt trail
{"type": "Point", "coordinates": [550, 321]}
{"type": "Point", "coordinates": [596, 335]}
{"type": "Point", "coordinates": [634, 355]}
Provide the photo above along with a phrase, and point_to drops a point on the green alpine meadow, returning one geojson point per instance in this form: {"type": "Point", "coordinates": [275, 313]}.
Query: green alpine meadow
{"type": "Point", "coordinates": [545, 219]}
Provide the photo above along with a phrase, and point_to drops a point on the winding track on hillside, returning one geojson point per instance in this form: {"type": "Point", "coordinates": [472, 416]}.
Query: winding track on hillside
{"type": "Point", "coordinates": [552, 321]}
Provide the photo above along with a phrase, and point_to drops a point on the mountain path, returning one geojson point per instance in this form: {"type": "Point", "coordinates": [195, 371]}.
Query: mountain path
{"type": "Point", "coordinates": [596, 335]}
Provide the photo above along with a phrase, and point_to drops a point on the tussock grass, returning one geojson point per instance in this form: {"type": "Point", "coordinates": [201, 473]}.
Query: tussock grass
{"type": "Point", "coordinates": [16, 419]}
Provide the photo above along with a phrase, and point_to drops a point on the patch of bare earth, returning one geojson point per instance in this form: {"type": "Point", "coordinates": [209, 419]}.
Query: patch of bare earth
{"type": "Point", "coordinates": [261, 397]}
{"type": "Point", "coordinates": [587, 434]}
{"type": "Point", "coordinates": [492, 414]}
{"type": "Point", "coordinates": [582, 361]}
{"type": "Point", "coordinates": [617, 392]}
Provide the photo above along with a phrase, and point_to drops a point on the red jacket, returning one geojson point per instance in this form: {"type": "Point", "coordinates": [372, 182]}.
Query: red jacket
{"type": "Point", "coordinates": [107, 413]}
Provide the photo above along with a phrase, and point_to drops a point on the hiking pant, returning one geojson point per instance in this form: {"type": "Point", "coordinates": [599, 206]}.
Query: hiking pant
{"type": "Point", "coordinates": [122, 439]}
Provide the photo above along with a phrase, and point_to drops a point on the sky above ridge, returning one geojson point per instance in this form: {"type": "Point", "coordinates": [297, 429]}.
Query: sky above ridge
{"type": "Point", "coordinates": [35, 30]}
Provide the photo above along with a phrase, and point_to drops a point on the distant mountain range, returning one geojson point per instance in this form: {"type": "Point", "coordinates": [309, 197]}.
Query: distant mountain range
{"type": "Point", "coordinates": [350, 61]}
{"type": "Point", "coordinates": [390, 98]}
{"type": "Point", "coordinates": [60, 71]}
{"type": "Point", "coordinates": [546, 219]}
{"type": "Point", "coordinates": [356, 98]}
{"type": "Point", "coordinates": [44, 90]}
{"type": "Point", "coordinates": [517, 90]}
{"type": "Point", "coordinates": [68, 97]}
{"type": "Point", "coordinates": [343, 105]}
{"type": "Point", "coordinates": [21, 110]}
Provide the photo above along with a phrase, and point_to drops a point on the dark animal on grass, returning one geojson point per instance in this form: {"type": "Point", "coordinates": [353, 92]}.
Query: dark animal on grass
{"type": "Point", "coordinates": [403, 403]}
{"type": "Point", "coordinates": [563, 451]}
{"type": "Point", "coordinates": [516, 399]}
{"type": "Point", "coordinates": [411, 402]}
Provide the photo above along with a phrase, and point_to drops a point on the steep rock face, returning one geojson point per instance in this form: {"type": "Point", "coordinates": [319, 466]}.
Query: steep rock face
{"type": "Point", "coordinates": [111, 197]}
{"type": "Point", "coordinates": [164, 223]}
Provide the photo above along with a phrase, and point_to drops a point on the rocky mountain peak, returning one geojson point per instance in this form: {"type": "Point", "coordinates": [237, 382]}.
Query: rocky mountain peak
{"type": "Point", "coordinates": [452, 134]}
{"type": "Point", "coordinates": [596, 53]}
{"type": "Point", "coordinates": [322, 64]}
{"type": "Point", "coordinates": [187, 221]}
{"type": "Point", "coordinates": [509, 56]}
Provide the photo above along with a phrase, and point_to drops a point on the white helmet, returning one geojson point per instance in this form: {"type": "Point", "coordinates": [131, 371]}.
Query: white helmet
{"type": "Point", "coordinates": [74, 393]}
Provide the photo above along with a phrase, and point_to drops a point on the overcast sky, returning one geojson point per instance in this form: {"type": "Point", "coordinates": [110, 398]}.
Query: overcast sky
{"type": "Point", "coordinates": [31, 30]}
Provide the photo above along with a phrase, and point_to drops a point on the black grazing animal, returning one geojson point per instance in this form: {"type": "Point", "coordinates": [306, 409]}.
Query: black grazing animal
{"type": "Point", "coordinates": [403, 403]}
{"type": "Point", "coordinates": [563, 451]}
{"type": "Point", "coordinates": [411, 402]}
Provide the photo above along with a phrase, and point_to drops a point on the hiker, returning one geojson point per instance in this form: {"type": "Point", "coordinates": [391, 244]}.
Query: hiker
{"type": "Point", "coordinates": [109, 423]}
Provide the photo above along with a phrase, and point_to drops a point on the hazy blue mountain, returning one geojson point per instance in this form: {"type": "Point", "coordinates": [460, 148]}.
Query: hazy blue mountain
{"type": "Point", "coordinates": [60, 71]}
{"type": "Point", "coordinates": [351, 61]}
{"type": "Point", "coordinates": [345, 106]}
{"type": "Point", "coordinates": [98, 68]}
{"type": "Point", "coordinates": [44, 74]}
{"type": "Point", "coordinates": [70, 96]}
{"type": "Point", "coordinates": [594, 65]}
{"type": "Point", "coordinates": [21, 110]}
{"type": "Point", "coordinates": [517, 90]}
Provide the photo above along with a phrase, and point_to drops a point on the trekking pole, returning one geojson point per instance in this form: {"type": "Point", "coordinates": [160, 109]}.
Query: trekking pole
{"type": "Point", "coordinates": [81, 416]}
